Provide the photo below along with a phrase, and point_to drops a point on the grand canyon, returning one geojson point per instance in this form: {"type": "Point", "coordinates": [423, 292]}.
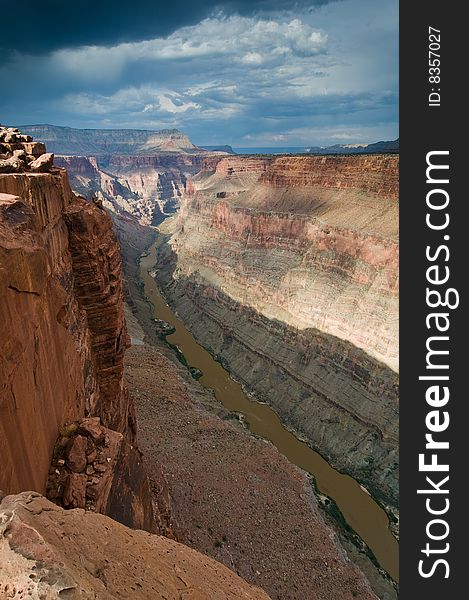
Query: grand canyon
{"type": "Point", "coordinates": [199, 369]}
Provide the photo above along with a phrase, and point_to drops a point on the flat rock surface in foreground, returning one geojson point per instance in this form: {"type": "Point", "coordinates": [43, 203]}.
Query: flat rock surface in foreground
{"type": "Point", "coordinates": [47, 552]}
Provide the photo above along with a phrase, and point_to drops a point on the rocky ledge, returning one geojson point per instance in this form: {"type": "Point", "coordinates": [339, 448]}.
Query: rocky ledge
{"type": "Point", "coordinates": [47, 552]}
{"type": "Point", "coordinates": [95, 468]}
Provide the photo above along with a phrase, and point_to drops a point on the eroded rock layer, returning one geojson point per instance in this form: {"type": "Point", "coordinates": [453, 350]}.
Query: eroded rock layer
{"type": "Point", "coordinates": [145, 187]}
{"type": "Point", "coordinates": [287, 268]}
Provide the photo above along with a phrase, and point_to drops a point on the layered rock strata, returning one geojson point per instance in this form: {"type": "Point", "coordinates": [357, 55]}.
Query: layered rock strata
{"type": "Point", "coordinates": [96, 263]}
{"type": "Point", "coordinates": [147, 188]}
{"type": "Point", "coordinates": [46, 552]}
{"type": "Point", "coordinates": [286, 268]}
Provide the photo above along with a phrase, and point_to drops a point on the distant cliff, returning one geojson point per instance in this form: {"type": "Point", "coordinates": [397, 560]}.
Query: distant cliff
{"type": "Point", "coordinates": [391, 147]}
{"type": "Point", "coordinates": [95, 142]}
{"type": "Point", "coordinates": [287, 269]}
{"type": "Point", "coordinates": [225, 148]}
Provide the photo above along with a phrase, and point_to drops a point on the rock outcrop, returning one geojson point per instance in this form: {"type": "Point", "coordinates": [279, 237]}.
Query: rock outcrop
{"type": "Point", "coordinates": [97, 469]}
{"type": "Point", "coordinates": [287, 269]}
{"type": "Point", "coordinates": [62, 340]}
{"type": "Point", "coordinates": [46, 552]}
{"type": "Point", "coordinates": [96, 264]}
{"type": "Point", "coordinates": [19, 153]}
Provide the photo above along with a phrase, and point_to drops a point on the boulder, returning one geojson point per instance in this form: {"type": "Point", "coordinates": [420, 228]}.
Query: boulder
{"type": "Point", "coordinates": [76, 454]}
{"type": "Point", "coordinates": [10, 138]}
{"type": "Point", "coordinates": [35, 148]}
{"type": "Point", "coordinates": [43, 163]}
{"type": "Point", "coordinates": [91, 427]}
{"type": "Point", "coordinates": [21, 154]}
{"type": "Point", "coordinates": [11, 165]}
{"type": "Point", "coordinates": [74, 495]}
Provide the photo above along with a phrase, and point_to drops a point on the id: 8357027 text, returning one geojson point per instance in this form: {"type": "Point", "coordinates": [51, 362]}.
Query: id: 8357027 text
{"type": "Point", "coordinates": [434, 66]}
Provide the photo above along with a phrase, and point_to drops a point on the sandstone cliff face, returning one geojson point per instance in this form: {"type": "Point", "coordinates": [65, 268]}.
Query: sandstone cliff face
{"type": "Point", "coordinates": [46, 552]}
{"type": "Point", "coordinates": [63, 331]}
{"type": "Point", "coordinates": [96, 264]}
{"type": "Point", "coordinates": [46, 365]}
{"type": "Point", "coordinates": [145, 187]}
{"type": "Point", "coordinates": [287, 268]}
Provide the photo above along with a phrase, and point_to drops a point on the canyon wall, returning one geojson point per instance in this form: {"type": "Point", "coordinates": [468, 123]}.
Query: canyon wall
{"type": "Point", "coordinates": [287, 269]}
{"type": "Point", "coordinates": [147, 188]}
{"type": "Point", "coordinates": [62, 339]}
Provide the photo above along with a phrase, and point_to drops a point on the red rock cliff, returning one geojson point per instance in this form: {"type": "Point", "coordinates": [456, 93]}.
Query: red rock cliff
{"type": "Point", "coordinates": [62, 337]}
{"type": "Point", "coordinates": [46, 367]}
{"type": "Point", "coordinates": [96, 264]}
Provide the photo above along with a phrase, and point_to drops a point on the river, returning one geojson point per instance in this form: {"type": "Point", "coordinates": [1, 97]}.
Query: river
{"type": "Point", "coordinates": [359, 509]}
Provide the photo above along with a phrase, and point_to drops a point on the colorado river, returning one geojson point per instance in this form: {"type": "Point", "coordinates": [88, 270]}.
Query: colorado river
{"type": "Point", "coordinates": [359, 509]}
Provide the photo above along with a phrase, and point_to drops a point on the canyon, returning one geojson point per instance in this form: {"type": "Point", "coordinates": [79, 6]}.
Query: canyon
{"type": "Point", "coordinates": [63, 400]}
{"type": "Point", "coordinates": [89, 384]}
{"type": "Point", "coordinates": [286, 269]}
{"type": "Point", "coordinates": [138, 173]}
{"type": "Point", "coordinates": [305, 249]}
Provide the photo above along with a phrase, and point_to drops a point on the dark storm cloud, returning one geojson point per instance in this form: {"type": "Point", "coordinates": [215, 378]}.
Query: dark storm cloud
{"type": "Point", "coordinates": [249, 75]}
{"type": "Point", "coordinates": [35, 27]}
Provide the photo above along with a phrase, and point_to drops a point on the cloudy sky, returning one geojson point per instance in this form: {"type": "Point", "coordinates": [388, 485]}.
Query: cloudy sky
{"type": "Point", "coordinates": [245, 73]}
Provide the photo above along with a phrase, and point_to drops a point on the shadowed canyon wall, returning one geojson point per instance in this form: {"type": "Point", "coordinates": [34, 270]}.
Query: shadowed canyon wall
{"type": "Point", "coordinates": [287, 269]}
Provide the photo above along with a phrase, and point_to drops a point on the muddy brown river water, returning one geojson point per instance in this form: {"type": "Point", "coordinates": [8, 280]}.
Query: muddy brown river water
{"type": "Point", "coordinates": [359, 509]}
